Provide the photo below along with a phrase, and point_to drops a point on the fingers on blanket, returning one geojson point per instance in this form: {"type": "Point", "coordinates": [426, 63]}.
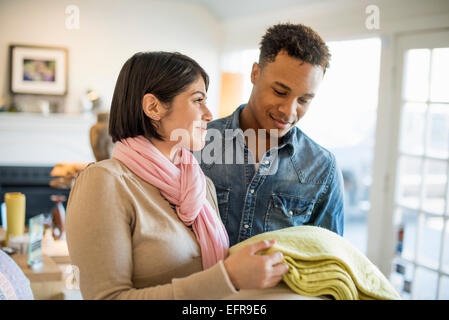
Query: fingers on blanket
{"type": "Point", "coordinates": [274, 257]}
{"type": "Point", "coordinates": [280, 269]}
{"type": "Point", "coordinates": [261, 245]}
{"type": "Point", "coordinates": [275, 261]}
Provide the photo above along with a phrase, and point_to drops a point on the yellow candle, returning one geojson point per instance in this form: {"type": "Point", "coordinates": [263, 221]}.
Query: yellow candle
{"type": "Point", "coordinates": [15, 214]}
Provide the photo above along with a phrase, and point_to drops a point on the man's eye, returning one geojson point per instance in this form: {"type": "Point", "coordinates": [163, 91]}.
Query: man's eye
{"type": "Point", "coordinates": [279, 93]}
{"type": "Point", "coordinates": [304, 101]}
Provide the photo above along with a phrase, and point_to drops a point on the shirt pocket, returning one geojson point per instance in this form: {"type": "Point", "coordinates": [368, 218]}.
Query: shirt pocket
{"type": "Point", "coordinates": [287, 211]}
{"type": "Point", "coordinates": [223, 201]}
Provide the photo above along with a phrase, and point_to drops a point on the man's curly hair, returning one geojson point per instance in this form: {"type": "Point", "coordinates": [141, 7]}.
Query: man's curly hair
{"type": "Point", "coordinates": [298, 40]}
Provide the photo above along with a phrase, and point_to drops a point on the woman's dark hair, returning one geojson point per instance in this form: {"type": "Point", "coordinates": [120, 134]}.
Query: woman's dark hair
{"type": "Point", "coordinates": [164, 74]}
{"type": "Point", "coordinates": [298, 40]}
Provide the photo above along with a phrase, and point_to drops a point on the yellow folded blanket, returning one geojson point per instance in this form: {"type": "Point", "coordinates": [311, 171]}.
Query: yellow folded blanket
{"type": "Point", "coordinates": [323, 263]}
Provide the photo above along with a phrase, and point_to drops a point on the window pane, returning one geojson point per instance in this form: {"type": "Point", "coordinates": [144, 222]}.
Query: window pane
{"type": "Point", "coordinates": [444, 288]}
{"type": "Point", "coordinates": [425, 284]}
{"type": "Point", "coordinates": [445, 266]}
{"type": "Point", "coordinates": [416, 75]}
{"type": "Point", "coordinates": [412, 128]}
{"type": "Point", "coordinates": [408, 219]}
{"type": "Point", "coordinates": [401, 277]}
{"type": "Point", "coordinates": [409, 181]}
{"type": "Point", "coordinates": [438, 143]}
{"type": "Point", "coordinates": [440, 75]}
{"type": "Point", "coordinates": [430, 241]}
{"type": "Point", "coordinates": [434, 186]}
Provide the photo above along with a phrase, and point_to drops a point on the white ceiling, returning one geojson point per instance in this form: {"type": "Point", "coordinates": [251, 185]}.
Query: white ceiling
{"type": "Point", "coordinates": [227, 9]}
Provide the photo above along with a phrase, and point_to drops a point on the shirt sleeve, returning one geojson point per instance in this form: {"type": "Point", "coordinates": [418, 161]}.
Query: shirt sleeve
{"type": "Point", "coordinates": [329, 209]}
{"type": "Point", "coordinates": [99, 226]}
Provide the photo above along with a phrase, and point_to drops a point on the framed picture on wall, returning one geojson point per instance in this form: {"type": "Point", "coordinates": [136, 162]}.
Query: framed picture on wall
{"type": "Point", "coordinates": [38, 70]}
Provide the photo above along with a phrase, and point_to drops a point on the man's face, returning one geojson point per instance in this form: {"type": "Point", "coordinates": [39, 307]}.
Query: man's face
{"type": "Point", "coordinates": [282, 92]}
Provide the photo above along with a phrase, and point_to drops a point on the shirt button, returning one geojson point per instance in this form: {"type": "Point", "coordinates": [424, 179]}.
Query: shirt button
{"type": "Point", "coordinates": [290, 212]}
{"type": "Point", "coordinates": [246, 226]}
{"type": "Point", "coordinates": [251, 191]}
{"type": "Point", "coordinates": [267, 162]}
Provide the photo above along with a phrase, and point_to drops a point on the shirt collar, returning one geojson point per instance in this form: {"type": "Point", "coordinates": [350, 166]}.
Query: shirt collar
{"type": "Point", "coordinates": [234, 120]}
{"type": "Point", "coordinates": [233, 123]}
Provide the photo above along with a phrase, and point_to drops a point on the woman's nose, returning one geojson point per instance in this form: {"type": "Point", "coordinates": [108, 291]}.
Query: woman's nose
{"type": "Point", "coordinates": [207, 116]}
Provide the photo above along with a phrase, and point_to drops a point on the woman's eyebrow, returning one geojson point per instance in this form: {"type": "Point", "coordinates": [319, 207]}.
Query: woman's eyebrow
{"type": "Point", "coordinates": [201, 92]}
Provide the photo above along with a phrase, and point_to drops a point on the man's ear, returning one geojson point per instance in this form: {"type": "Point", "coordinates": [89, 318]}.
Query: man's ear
{"type": "Point", "coordinates": [255, 72]}
{"type": "Point", "coordinates": [152, 107]}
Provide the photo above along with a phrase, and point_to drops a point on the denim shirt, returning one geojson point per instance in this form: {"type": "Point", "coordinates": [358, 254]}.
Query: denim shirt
{"type": "Point", "coordinates": [297, 183]}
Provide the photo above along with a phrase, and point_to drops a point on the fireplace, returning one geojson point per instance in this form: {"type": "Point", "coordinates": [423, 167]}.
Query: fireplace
{"type": "Point", "coordinates": [32, 181]}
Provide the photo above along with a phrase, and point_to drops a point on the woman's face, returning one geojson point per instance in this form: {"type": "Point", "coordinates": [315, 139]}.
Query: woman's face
{"type": "Point", "coordinates": [186, 121]}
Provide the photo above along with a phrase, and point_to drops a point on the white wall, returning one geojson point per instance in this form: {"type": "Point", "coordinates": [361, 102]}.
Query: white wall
{"type": "Point", "coordinates": [339, 19]}
{"type": "Point", "coordinates": [110, 32]}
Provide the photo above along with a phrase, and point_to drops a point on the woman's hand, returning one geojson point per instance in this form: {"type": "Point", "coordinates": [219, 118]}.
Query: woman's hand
{"type": "Point", "coordinates": [250, 271]}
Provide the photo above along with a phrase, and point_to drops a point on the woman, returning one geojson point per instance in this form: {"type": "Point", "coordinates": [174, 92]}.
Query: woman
{"type": "Point", "coordinates": [145, 224]}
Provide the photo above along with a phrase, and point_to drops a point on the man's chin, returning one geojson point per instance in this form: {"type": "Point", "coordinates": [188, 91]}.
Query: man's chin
{"type": "Point", "coordinates": [279, 133]}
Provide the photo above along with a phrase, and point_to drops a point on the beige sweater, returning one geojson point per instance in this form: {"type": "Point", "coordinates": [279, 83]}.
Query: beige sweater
{"type": "Point", "coordinates": [128, 242]}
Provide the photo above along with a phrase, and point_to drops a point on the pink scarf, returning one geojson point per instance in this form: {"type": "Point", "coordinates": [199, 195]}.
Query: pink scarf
{"type": "Point", "coordinates": [182, 183]}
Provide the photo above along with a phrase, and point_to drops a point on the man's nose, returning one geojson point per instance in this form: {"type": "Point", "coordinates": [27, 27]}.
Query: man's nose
{"type": "Point", "coordinates": [289, 109]}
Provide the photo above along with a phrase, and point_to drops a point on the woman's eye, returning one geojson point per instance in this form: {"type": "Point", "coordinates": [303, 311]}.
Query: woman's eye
{"type": "Point", "coordinates": [304, 101]}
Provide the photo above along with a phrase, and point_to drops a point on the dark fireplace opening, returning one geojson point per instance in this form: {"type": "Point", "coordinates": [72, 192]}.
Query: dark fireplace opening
{"type": "Point", "coordinates": [33, 182]}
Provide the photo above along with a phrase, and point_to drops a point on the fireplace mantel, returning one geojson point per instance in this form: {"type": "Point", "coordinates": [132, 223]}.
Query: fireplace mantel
{"type": "Point", "coordinates": [28, 139]}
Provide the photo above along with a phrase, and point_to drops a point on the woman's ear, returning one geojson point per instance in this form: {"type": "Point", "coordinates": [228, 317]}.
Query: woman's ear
{"type": "Point", "coordinates": [152, 107]}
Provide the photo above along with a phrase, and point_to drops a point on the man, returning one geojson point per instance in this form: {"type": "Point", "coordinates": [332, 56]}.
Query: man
{"type": "Point", "coordinates": [292, 180]}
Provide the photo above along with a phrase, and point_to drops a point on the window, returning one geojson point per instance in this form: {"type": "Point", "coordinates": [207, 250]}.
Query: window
{"type": "Point", "coordinates": [421, 262]}
{"type": "Point", "coordinates": [342, 118]}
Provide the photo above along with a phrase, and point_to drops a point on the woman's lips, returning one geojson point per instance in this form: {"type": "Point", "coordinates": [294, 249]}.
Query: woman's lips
{"type": "Point", "coordinates": [202, 128]}
{"type": "Point", "coordinates": [279, 123]}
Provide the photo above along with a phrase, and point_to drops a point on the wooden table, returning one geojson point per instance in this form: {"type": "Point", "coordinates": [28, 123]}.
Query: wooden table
{"type": "Point", "coordinates": [46, 282]}
{"type": "Point", "coordinates": [58, 251]}
{"type": "Point", "coordinates": [50, 281]}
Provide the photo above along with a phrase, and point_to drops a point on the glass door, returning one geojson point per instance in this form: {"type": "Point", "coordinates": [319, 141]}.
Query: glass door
{"type": "Point", "coordinates": [420, 268]}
